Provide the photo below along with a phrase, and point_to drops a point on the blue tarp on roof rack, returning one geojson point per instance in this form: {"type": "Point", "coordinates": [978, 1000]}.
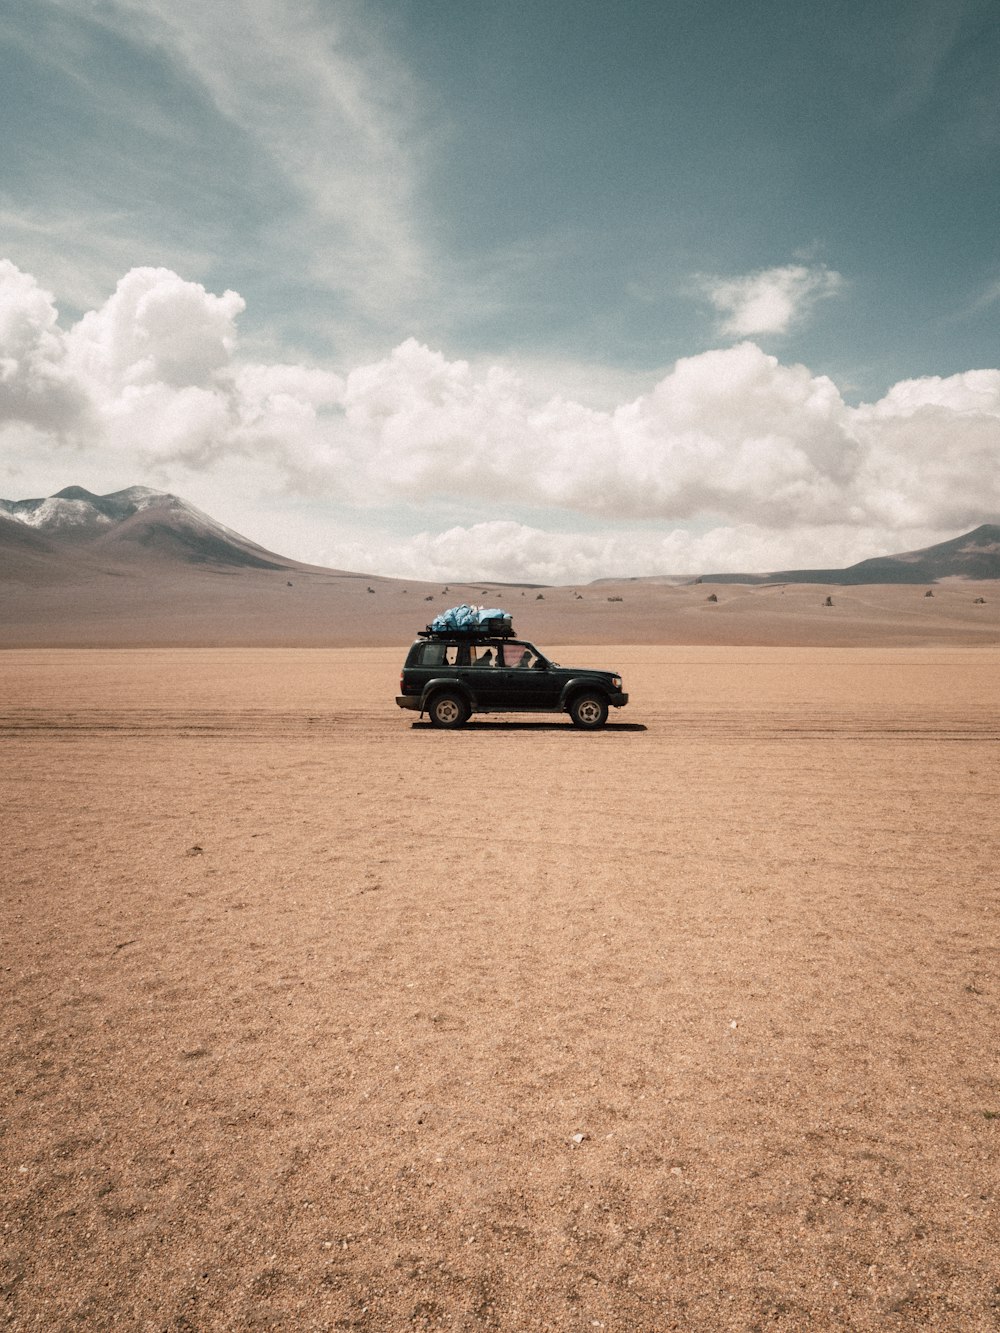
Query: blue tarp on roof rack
{"type": "Point", "coordinates": [472, 620]}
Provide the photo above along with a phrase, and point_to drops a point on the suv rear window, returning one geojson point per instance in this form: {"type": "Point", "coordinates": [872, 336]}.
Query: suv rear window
{"type": "Point", "coordinates": [435, 653]}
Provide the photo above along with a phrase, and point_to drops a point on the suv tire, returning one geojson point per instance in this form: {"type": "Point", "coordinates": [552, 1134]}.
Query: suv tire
{"type": "Point", "coordinates": [589, 711]}
{"type": "Point", "coordinates": [448, 710]}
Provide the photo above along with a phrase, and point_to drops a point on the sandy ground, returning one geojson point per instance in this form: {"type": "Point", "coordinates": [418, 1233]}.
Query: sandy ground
{"type": "Point", "coordinates": [314, 1018]}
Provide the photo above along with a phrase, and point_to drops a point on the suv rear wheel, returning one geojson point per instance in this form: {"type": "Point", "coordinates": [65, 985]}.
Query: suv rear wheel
{"type": "Point", "coordinates": [589, 711]}
{"type": "Point", "coordinates": [448, 710]}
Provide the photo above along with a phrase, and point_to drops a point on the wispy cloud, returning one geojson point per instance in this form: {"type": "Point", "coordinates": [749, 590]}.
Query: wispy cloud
{"type": "Point", "coordinates": [277, 140]}
{"type": "Point", "coordinates": [328, 107]}
{"type": "Point", "coordinates": [989, 296]}
{"type": "Point", "coordinates": [771, 300]}
{"type": "Point", "coordinates": [82, 252]}
{"type": "Point", "coordinates": [921, 50]}
{"type": "Point", "coordinates": [939, 56]}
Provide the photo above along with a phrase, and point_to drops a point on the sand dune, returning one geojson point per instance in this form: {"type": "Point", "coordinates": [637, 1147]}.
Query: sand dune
{"type": "Point", "coordinates": [309, 608]}
{"type": "Point", "coordinates": [318, 1019]}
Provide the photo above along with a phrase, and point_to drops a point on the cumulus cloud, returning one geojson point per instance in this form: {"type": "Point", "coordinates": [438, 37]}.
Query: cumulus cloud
{"type": "Point", "coordinates": [36, 386]}
{"type": "Point", "coordinates": [512, 552]}
{"type": "Point", "coordinates": [771, 300]}
{"type": "Point", "coordinates": [732, 437]}
{"type": "Point", "coordinates": [153, 375]}
{"type": "Point", "coordinates": [157, 329]}
{"type": "Point", "coordinates": [930, 451]}
{"type": "Point", "coordinates": [727, 429]}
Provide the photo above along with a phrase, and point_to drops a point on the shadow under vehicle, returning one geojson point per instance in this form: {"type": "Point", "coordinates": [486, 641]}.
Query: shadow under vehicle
{"type": "Point", "coordinates": [451, 674]}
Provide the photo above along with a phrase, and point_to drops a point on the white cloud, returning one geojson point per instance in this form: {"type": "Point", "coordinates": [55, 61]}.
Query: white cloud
{"type": "Point", "coordinates": [36, 387]}
{"type": "Point", "coordinates": [154, 379]}
{"type": "Point", "coordinates": [724, 430]}
{"type": "Point", "coordinates": [771, 300]}
{"type": "Point", "coordinates": [511, 552]}
{"type": "Point", "coordinates": [156, 329]}
{"type": "Point", "coordinates": [931, 451]}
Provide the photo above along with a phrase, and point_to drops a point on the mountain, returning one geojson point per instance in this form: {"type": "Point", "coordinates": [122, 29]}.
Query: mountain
{"type": "Point", "coordinates": [976, 555]}
{"type": "Point", "coordinates": [141, 530]}
{"type": "Point", "coordinates": [135, 526]}
{"type": "Point", "coordinates": [142, 568]}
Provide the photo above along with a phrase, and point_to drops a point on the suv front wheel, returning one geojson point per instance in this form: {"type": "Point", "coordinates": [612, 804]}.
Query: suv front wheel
{"type": "Point", "coordinates": [448, 710]}
{"type": "Point", "coordinates": [589, 711]}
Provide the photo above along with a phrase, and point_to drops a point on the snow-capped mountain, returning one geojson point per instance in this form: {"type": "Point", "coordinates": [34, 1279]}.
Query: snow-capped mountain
{"type": "Point", "coordinates": [125, 526]}
{"type": "Point", "coordinates": [75, 509]}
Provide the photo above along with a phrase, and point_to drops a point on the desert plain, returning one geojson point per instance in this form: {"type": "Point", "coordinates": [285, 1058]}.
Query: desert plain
{"type": "Point", "coordinates": [316, 1018]}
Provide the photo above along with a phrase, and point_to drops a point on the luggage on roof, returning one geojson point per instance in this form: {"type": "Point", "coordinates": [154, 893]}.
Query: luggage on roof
{"type": "Point", "coordinates": [473, 620]}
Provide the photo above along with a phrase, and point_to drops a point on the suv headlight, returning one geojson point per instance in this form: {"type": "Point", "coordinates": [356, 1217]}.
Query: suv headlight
{"type": "Point", "coordinates": [616, 681]}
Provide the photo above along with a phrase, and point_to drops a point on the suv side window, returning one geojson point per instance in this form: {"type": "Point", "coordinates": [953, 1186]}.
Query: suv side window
{"type": "Point", "coordinates": [519, 655]}
{"type": "Point", "coordinates": [434, 653]}
{"type": "Point", "coordinates": [429, 655]}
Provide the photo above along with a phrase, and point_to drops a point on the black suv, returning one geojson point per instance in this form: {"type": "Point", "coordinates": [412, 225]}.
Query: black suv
{"type": "Point", "coordinates": [450, 675]}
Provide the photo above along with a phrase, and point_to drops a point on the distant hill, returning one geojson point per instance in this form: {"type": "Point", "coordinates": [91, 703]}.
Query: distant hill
{"type": "Point", "coordinates": [135, 527]}
{"type": "Point", "coordinates": [140, 530]}
{"type": "Point", "coordinates": [143, 568]}
{"type": "Point", "coordinates": [974, 556]}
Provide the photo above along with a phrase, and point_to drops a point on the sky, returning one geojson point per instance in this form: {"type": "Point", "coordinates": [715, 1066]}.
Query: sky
{"type": "Point", "coordinates": [509, 289]}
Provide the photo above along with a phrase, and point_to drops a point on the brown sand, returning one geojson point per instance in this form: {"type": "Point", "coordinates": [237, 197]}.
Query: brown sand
{"type": "Point", "coordinates": [315, 1018]}
{"type": "Point", "coordinates": [159, 604]}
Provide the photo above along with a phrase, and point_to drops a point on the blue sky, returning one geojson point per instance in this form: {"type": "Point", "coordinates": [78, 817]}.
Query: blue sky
{"type": "Point", "coordinates": [540, 288]}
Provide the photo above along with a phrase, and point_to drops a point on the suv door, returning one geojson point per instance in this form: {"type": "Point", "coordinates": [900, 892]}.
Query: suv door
{"type": "Point", "coordinates": [529, 681]}
{"type": "Point", "coordinates": [485, 674]}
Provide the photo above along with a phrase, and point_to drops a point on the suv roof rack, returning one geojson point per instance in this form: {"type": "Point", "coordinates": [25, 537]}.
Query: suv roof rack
{"type": "Point", "coordinates": [498, 629]}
